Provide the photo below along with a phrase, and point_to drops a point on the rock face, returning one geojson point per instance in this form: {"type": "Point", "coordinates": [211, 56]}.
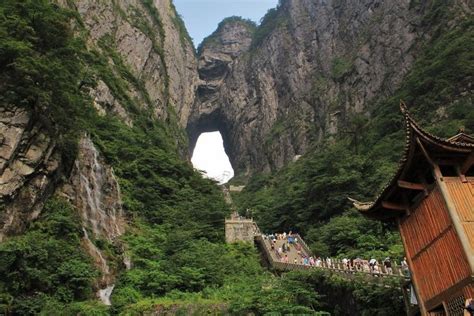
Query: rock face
{"type": "Point", "coordinates": [93, 189]}
{"type": "Point", "coordinates": [29, 168]}
{"type": "Point", "coordinates": [152, 45]}
{"type": "Point", "coordinates": [142, 47]}
{"type": "Point", "coordinates": [217, 59]}
{"type": "Point", "coordinates": [95, 192]}
{"type": "Point", "coordinates": [271, 91]}
{"type": "Point", "coordinates": [311, 65]}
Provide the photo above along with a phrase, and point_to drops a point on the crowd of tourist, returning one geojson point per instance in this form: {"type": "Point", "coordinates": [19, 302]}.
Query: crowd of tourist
{"type": "Point", "coordinates": [282, 243]}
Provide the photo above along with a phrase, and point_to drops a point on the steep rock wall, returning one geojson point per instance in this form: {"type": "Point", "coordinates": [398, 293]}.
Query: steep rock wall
{"type": "Point", "coordinates": [153, 46]}
{"type": "Point", "coordinates": [312, 64]}
{"type": "Point", "coordinates": [143, 63]}
{"type": "Point", "coordinates": [95, 192]}
{"type": "Point", "coordinates": [30, 167]}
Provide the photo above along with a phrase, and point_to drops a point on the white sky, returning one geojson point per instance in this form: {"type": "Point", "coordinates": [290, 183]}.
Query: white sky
{"type": "Point", "coordinates": [209, 156]}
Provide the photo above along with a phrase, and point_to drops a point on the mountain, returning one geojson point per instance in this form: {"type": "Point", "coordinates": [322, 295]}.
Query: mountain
{"type": "Point", "coordinates": [304, 74]}
{"type": "Point", "coordinates": [102, 103]}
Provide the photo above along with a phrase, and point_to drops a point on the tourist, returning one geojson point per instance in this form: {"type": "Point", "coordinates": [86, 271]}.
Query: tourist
{"type": "Point", "coordinates": [469, 307]}
{"type": "Point", "coordinates": [319, 262]}
{"type": "Point", "coordinates": [405, 269]}
{"type": "Point", "coordinates": [372, 264]}
{"type": "Point", "coordinates": [388, 265]}
{"type": "Point", "coordinates": [376, 269]}
{"type": "Point", "coordinates": [344, 263]}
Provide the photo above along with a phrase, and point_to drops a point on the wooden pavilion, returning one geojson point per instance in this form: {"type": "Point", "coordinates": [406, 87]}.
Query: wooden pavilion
{"type": "Point", "coordinates": [431, 197]}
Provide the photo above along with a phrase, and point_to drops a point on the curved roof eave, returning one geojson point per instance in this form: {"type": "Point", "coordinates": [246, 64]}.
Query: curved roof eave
{"type": "Point", "coordinates": [412, 130]}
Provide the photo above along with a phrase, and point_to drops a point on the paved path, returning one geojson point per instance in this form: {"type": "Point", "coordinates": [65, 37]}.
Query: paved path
{"type": "Point", "coordinates": [293, 253]}
{"type": "Point", "coordinates": [302, 250]}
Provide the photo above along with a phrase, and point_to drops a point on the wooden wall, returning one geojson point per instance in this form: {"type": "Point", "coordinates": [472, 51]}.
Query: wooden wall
{"type": "Point", "coordinates": [462, 195]}
{"type": "Point", "coordinates": [468, 291]}
{"type": "Point", "coordinates": [438, 259]}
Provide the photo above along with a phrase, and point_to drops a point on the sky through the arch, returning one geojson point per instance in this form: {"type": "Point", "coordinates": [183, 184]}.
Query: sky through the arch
{"type": "Point", "coordinates": [201, 18]}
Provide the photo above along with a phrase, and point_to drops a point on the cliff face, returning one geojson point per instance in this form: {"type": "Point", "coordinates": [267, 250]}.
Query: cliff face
{"type": "Point", "coordinates": [272, 91]}
{"type": "Point", "coordinates": [29, 167]}
{"type": "Point", "coordinates": [312, 64]}
{"type": "Point", "coordinates": [144, 63]}
{"type": "Point", "coordinates": [152, 43]}
{"type": "Point", "coordinates": [143, 66]}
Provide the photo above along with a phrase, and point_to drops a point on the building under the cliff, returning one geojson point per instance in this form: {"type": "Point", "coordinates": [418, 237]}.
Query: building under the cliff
{"type": "Point", "coordinates": [431, 197]}
{"type": "Point", "coordinates": [238, 228]}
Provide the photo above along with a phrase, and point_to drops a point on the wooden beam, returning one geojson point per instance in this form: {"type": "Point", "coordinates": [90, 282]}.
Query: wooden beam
{"type": "Point", "coordinates": [425, 152]}
{"type": "Point", "coordinates": [461, 175]}
{"type": "Point", "coordinates": [467, 163]}
{"type": "Point", "coordinates": [449, 292]}
{"type": "Point", "coordinates": [406, 201]}
{"type": "Point", "coordinates": [394, 206]}
{"type": "Point", "coordinates": [411, 185]}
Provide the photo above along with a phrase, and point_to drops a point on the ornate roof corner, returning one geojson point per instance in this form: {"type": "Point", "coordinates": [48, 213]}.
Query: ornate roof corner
{"type": "Point", "coordinates": [460, 141]}
{"type": "Point", "coordinates": [461, 137]}
{"type": "Point", "coordinates": [414, 134]}
{"type": "Point", "coordinates": [360, 206]}
{"type": "Point", "coordinates": [403, 107]}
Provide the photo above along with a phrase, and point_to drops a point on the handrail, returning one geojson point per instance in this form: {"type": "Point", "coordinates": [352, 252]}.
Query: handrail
{"type": "Point", "coordinates": [303, 244]}
{"type": "Point", "coordinates": [336, 264]}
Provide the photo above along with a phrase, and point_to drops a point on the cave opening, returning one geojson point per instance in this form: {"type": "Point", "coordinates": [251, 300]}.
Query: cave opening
{"type": "Point", "coordinates": [210, 156]}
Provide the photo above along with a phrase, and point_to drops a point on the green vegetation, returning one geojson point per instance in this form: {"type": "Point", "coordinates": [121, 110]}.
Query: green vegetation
{"type": "Point", "coordinates": [41, 68]}
{"type": "Point", "coordinates": [175, 234]}
{"type": "Point", "coordinates": [273, 19]}
{"type": "Point", "coordinates": [310, 196]}
{"type": "Point", "coordinates": [45, 266]}
{"type": "Point", "coordinates": [340, 67]}
{"type": "Point", "coordinates": [358, 296]}
{"type": "Point", "coordinates": [212, 39]}
{"type": "Point", "coordinates": [200, 274]}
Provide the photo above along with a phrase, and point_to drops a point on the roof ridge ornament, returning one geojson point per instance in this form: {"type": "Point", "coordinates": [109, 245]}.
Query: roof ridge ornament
{"type": "Point", "coordinates": [403, 107]}
{"type": "Point", "coordinates": [361, 206]}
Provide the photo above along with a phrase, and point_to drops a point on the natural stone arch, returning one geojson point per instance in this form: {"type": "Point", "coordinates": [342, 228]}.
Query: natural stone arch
{"type": "Point", "coordinates": [211, 122]}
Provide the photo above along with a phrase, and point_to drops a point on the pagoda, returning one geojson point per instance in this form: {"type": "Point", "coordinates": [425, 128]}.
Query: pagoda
{"type": "Point", "coordinates": [431, 198]}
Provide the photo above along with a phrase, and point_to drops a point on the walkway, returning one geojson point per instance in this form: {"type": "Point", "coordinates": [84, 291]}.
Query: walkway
{"type": "Point", "coordinates": [244, 229]}
{"type": "Point", "coordinates": [239, 228]}
{"type": "Point", "coordinates": [301, 250]}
